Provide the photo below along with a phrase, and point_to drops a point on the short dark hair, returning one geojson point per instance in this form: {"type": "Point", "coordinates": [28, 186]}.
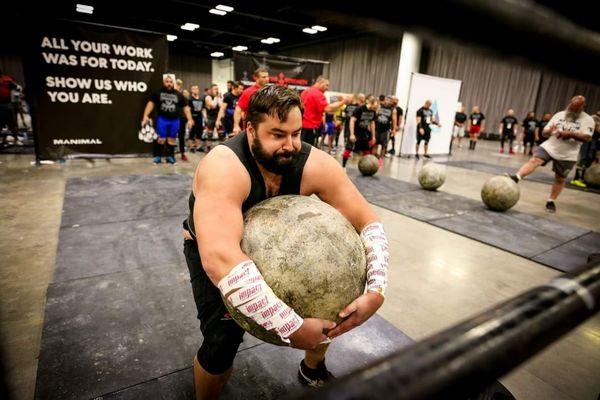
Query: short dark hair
{"type": "Point", "coordinates": [381, 97]}
{"type": "Point", "coordinates": [237, 84]}
{"type": "Point", "coordinates": [230, 82]}
{"type": "Point", "coordinates": [272, 100]}
{"type": "Point", "coordinates": [257, 71]}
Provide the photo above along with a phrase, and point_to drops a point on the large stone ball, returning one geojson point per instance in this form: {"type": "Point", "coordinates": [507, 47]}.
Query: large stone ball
{"type": "Point", "coordinates": [432, 176]}
{"type": "Point", "coordinates": [499, 193]}
{"type": "Point", "coordinates": [592, 175]}
{"type": "Point", "coordinates": [368, 165]}
{"type": "Point", "coordinates": [308, 253]}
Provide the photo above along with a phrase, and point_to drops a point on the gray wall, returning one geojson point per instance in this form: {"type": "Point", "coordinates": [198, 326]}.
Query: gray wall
{"type": "Point", "coordinates": [192, 70]}
{"type": "Point", "coordinates": [496, 84]}
{"type": "Point", "coordinates": [367, 64]}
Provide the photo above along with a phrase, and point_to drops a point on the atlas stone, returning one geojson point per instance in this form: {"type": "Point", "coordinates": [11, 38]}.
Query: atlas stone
{"type": "Point", "coordinates": [308, 253]}
{"type": "Point", "coordinates": [368, 165]}
{"type": "Point", "coordinates": [592, 175]}
{"type": "Point", "coordinates": [432, 176]}
{"type": "Point", "coordinates": [499, 193]}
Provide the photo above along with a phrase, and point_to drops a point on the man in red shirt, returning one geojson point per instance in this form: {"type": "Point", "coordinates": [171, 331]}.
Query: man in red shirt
{"type": "Point", "coordinates": [7, 111]}
{"type": "Point", "coordinates": [261, 76]}
{"type": "Point", "coordinates": [315, 104]}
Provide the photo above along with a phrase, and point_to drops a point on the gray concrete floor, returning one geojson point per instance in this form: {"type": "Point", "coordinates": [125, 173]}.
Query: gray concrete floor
{"type": "Point", "coordinates": [431, 286]}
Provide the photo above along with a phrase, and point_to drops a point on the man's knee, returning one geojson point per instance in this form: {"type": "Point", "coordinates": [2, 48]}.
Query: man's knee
{"type": "Point", "coordinates": [160, 140]}
{"type": "Point", "coordinates": [171, 141]}
{"type": "Point", "coordinates": [559, 179]}
{"type": "Point", "coordinates": [536, 161]}
{"type": "Point", "coordinates": [216, 356]}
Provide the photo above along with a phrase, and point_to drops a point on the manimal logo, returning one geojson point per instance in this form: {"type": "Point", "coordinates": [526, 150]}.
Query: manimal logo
{"type": "Point", "coordinates": [59, 142]}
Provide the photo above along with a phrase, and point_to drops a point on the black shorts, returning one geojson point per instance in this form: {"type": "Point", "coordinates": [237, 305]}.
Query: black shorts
{"type": "Point", "coordinates": [196, 131]}
{"type": "Point", "coordinates": [508, 135]}
{"type": "Point", "coordinates": [210, 124]}
{"type": "Point", "coordinates": [221, 334]}
{"type": "Point", "coordinates": [382, 137]}
{"type": "Point", "coordinates": [227, 125]}
{"type": "Point", "coordinates": [529, 138]}
{"type": "Point", "coordinates": [425, 136]}
{"type": "Point", "coordinates": [310, 136]}
{"type": "Point", "coordinates": [361, 145]}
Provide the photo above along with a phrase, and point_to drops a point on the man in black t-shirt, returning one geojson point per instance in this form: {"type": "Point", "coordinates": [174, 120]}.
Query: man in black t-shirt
{"type": "Point", "coordinates": [384, 123]}
{"type": "Point", "coordinates": [359, 100]}
{"type": "Point", "coordinates": [541, 125]}
{"type": "Point", "coordinates": [169, 103]}
{"type": "Point", "coordinates": [227, 109]}
{"type": "Point", "coordinates": [508, 131]}
{"type": "Point", "coordinates": [425, 119]}
{"type": "Point", "coordinates": [211, 108]}
{"type": "Point", "coordinates": [196, 103]}
{"type": "Point", "coordinates": [362, 130]}
{"type": "Point", "coordinates": [458, 131]}
{"type": "Point", "coordinates": [399, 121]}
{"type": "Point", "coordinates": [530, 132]}
{"type": "Point", "coordinates": [476, 125]}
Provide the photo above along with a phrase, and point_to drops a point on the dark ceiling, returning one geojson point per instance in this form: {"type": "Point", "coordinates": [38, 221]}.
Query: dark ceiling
{"type": "Point", "coordinates": [545, 32]}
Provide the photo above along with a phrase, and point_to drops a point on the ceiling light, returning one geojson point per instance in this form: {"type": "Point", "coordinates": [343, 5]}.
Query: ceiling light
{"type": "Point", "coordinates": [274, 40]}
{"type": "Point", "coordinates": [170, 38]}
{"type": "Point", "coordinates": [217, 54]}
{"type": "Point", "coordinates": [188, 26]}
{"type": "Point", "coordinates": [309, 30]}
{"type": "Point", "coordinates": [217, 12]}
{"type": "Point", "coordinates": [224, 8]}
{"type": "Point", "coordinates": [239, 48]}
{"type": "Point", "coordinates": [82, 8]}
{"type": "Point", "coordinates": [266, 41]}
{"type": "Point", "coordinates": [319, 28]}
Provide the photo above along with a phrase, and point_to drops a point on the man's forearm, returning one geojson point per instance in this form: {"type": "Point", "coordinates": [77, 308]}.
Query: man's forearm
{"type": "Point", "coordinates": [237, 116]}
{"type": "Point", "coordinates": [580, 137]}
{"type": "Point", "coordinates": [148, 109]}
{"type": "Point", "coordinates": [334, 106]}
{"type": "Point", "coordinates": [188, 113]}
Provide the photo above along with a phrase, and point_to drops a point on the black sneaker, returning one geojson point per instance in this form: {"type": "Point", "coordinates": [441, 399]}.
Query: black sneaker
{"type": "Point", "coordinates": [550, 207]}
{"type": "Point", "coordinates": [193, 150]}
{"type": "Point", "coordinates": [427, 156]}
{"type": "Point", "coordinates": [513, 177]}
{"type": "Point", "coordinates": [314, 377]}
{"type": "Point", "coordinates": [417, 156]}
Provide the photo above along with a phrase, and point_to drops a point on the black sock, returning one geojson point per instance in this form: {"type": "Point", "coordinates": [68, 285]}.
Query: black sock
{"type": "Point", "coordinates": [577, 174]}
{"type": "Point", "coordinates": [170, 150]}
{"type": "Point", "coordinates": [157, 149]}
{"type": "Point", "coordinates": [474, 144]}
{"type": "Point", "coordinates": [344, 161]}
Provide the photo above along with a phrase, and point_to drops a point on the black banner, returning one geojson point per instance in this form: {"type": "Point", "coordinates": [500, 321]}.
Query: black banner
{"type": "Point", "coordinates": [286, 72]}
{"type": "Point", "coordinates": [88, 86]}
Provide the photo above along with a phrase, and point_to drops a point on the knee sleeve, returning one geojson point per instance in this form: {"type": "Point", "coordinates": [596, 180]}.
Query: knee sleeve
{"type": "Point", "coordinates": [217, 353]}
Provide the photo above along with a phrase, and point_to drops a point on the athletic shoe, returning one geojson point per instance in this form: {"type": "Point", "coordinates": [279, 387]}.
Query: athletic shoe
{"type": "Point", "coordinates": [392, 151]}
{"type": "Point", "coordinates": [314, 377]}
{"type": "Point", "coordinates": [157, 160]}
{"type": "Point", "coordinates": [511, 151]}
{"type": "Point", "coordinates": [550, 206]}
{"type": "Point", "coordinates": [184, 157]}
{"type": "Point", "coordinates": [513, 177]}
{"type": "Point", "coordinates": [417, 156]}
{"type": "Point", "coordinates": [427, 156]}
{"type": "Point", "coordinates": [171, 160]}
{"type": "Point", "coordinates": [501, 151]}
{"type": "Point", "coordinates": [193, 150]}
{"type": "Point", "coordinates": [578, 183]}
{"type": "Point", "coordinates": [380, 162]}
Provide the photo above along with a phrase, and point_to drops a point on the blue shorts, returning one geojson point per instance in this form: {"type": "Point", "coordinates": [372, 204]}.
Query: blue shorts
{"type": "Point", "coordinates": [328, 128]}
{"type": "Point", "coordinates": [167, 127]}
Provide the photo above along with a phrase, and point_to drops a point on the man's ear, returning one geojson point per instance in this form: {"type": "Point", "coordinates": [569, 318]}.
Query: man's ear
{"type": "Point", "coordinates": [250, 129]}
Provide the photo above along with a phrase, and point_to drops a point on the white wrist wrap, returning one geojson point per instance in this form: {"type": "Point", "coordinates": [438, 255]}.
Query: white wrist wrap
{"type": "Point", "coordinates": [377, 251]}
{"type": "Point", "coordinates": [246, 290]}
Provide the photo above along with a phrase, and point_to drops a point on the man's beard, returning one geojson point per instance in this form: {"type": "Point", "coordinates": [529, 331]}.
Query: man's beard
{"type": "Point", "coordinates": [572, 115]}
{"type": "Point", "coordinates": [279, 162]}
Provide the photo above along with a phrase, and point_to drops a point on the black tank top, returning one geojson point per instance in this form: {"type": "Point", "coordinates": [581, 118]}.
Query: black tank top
{"type": "Point", "coordinates": [290, 182]}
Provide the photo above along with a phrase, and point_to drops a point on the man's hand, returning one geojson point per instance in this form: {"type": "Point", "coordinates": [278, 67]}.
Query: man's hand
{"type": "Point", "coordinates": [564, 135]}
{"type": "Point", "coordinates": [352, 138]}
{"type": "Point", "coordinates": [311, 334]}
{"type": "Point", "coordinates": [236, 129]}
{"type": "Point", "coordinates": [190, 123]}
{"type": "Point", "coordinates": [357, 312]}
{"type": "Point", "coordinates": [218, 123]}
{"type": "Point", "coordinates": [421, 131]}
{"type": "Point", "coordinates": [145, 120]}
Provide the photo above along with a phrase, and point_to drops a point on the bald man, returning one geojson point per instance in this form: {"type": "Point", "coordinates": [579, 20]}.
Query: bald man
{"type": "Point", "coordinates": [566, 131]}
